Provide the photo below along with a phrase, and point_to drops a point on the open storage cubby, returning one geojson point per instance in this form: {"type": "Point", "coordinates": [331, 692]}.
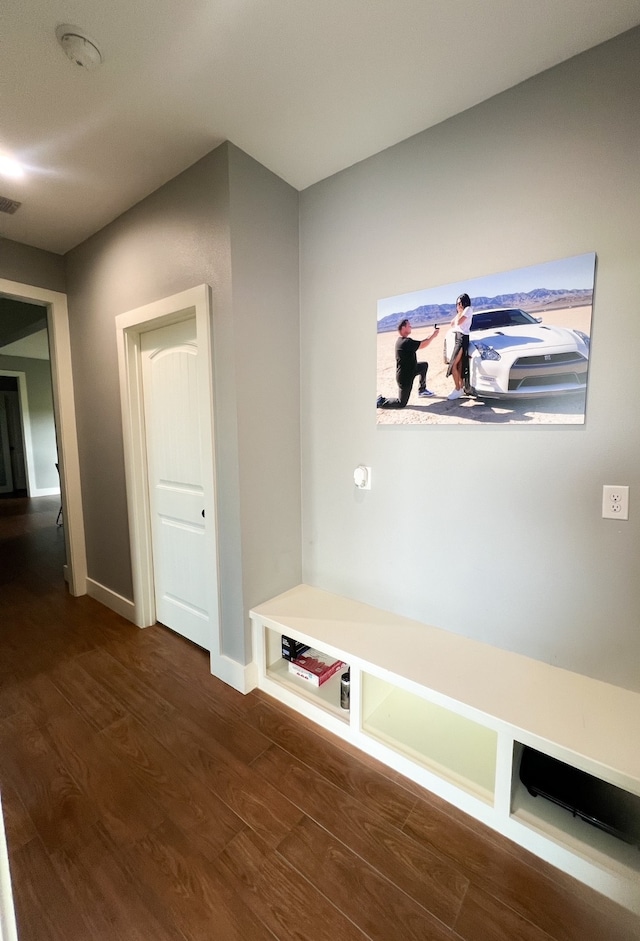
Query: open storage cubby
{"type": "Point", "coordinates": [448, 744]}
{"type": "Point", "coordinates": [326, 697]}
{"type": "Point", "coordinates": [454, 715]}
{"type": "Point", "coordinates": [566, 824]}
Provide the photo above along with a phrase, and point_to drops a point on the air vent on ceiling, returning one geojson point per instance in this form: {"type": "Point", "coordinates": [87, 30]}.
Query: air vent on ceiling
{"type": "Point", "coordinates": [8, 205]}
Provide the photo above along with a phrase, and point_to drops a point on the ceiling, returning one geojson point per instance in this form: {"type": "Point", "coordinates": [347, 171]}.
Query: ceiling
{"type": "Point", "coordinates": [307, 88]}
{"type": "Point", "coordinates": [33, 346]}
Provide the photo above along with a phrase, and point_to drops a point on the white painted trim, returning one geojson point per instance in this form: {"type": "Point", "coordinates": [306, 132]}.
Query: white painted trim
{"type": "Point", "coordinates": [129, 327]}
{"type": "Point", "coordinates": [45, 492]}
{"type": "Point", "coordinates": [242, 678]}
{"type": "Point", "coordinates": [65, 418]}
{"type": "Point", "coordinates": [111, 599]}
{"type": "Point", "coordinates": [135, 464]}
{"type": "Point", "coordinates": [8, 930]}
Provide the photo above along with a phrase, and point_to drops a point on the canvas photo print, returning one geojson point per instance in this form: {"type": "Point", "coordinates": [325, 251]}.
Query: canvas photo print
{"type": "Point", "coordinates": [507, 348]}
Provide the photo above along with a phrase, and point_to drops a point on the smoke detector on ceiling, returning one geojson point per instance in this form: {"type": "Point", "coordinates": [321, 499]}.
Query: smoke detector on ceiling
{"type": "Point", "coordinates": [79, 47]}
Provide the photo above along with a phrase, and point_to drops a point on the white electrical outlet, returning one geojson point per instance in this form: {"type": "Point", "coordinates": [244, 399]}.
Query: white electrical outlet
{"type": "Point", "coordinates": [615, 502]}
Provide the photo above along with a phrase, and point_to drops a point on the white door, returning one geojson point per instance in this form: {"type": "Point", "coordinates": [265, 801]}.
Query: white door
{"type": "Point", "coordinates": [6, 477]}
{"type": "Point", "coordinates": [173, 435]}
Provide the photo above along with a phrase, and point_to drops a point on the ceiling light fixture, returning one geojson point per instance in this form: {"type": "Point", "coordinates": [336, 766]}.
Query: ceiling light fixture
{"type": "Point", "coordinates": [79, 47]}
{"type": "Point", "coordinates": [10, 168]}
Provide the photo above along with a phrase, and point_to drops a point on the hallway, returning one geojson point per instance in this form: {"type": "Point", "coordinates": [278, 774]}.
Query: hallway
{"type": "Point", "coordinates": [145, 800]}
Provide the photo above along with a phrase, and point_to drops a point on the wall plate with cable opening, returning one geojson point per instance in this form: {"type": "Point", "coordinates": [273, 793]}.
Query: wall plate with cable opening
{"type": "Point", "coordinates": [362, 477]}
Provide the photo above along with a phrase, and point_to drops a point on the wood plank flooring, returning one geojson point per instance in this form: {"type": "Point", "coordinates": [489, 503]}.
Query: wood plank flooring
{"type": "Point", "coordinates": [146, 801]}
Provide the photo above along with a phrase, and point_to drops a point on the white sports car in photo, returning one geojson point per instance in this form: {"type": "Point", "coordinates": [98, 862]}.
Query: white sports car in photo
{"type": "Point", "coordinates": [513, 354]}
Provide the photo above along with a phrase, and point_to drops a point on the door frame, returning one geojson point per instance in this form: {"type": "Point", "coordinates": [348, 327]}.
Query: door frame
{"type": "Point", "coordinates": [64, 411]}
{"type": "Point", "coordinates": [192, 303]}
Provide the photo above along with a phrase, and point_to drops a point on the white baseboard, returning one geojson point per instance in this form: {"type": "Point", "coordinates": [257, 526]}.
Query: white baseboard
{"type": "Point", "coordinates": [242, 677]}
{"type": "Point", "coordinates": [8, 931]}
{"type": "Point", "coordinates": [45, 492]}
{"type": "Point", "coordinates": [110, 599]}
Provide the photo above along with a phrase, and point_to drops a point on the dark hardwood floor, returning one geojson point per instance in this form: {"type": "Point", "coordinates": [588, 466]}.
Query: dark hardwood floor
{"type": "Point", "coordinates": [146, 801]}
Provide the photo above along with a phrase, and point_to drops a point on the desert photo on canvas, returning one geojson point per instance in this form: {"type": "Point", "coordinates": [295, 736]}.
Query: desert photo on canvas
{"type": "Point", "coordinates": [508, 348]}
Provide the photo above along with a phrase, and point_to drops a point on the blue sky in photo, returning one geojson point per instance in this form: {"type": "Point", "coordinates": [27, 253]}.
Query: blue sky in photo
{"type": "Point", "coordinates": [564, 274]}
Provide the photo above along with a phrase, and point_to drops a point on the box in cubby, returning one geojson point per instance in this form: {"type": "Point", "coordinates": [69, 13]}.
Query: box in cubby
{"type": "Point", "coordinates": [315, 667]}
{"type": "Point", "coordinates": [292, 648]}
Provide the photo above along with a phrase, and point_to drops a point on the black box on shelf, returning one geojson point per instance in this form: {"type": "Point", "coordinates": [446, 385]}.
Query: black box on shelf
{"type": "Point", "coordinates": [292, 648]}
{"type": "Point", "coordinates": [602, 804]}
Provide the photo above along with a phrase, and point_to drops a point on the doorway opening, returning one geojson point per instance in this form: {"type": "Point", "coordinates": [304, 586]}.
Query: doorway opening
{"type": "Point", "coordinates": [34, 310]}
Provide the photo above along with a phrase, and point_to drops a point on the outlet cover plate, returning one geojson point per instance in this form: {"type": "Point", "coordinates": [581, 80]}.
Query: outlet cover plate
{"type": "Point", "coordinates": [615, 502]}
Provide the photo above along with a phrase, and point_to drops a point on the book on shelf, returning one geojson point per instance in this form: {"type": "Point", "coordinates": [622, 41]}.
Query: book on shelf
{"type": "Point", "coordinates": [315, 667]}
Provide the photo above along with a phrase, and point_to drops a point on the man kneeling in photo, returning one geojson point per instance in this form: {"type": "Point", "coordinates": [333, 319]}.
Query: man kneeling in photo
{"type": "Point", "coordinates": [408, 367]}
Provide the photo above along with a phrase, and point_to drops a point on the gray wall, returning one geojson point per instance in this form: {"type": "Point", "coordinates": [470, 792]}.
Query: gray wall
{"type": "Point", "coordinates": [179, 237]}
{"type": "Point", "coordinates": [490, 532]}
{"type": "Point", "coordinates": [265, 267]}
{"type": "Point", "coordinates": [31, 266]}
{"type": "Point", "coordinates": [175, 239]}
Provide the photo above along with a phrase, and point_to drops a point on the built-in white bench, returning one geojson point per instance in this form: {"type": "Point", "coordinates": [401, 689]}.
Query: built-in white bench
{"type": "Point", "coordinates": [454, 714]}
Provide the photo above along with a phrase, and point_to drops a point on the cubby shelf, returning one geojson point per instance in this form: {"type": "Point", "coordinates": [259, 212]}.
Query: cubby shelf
{"type": "Point", "coordinates": [454, 714]}
{"type": "Point", "coordinates": [326, 697]}
{"type": "Point", "coordinates": [451, 746]}
{"type": "Point", "coordinates": [583, 839]}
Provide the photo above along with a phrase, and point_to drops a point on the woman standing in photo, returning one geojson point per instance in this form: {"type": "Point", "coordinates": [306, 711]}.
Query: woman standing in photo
{"type": "Point", "coordinates": [461, 323]}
